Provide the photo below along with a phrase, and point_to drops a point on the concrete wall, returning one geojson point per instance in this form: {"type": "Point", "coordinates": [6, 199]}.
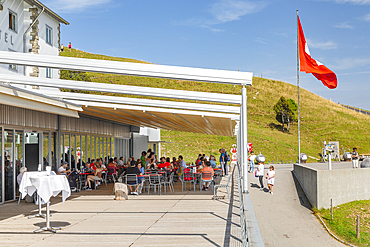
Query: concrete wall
{"type": "Point", "coordinates": [341, 185]}
{"type": "Point", "coordinates": [308, 178]}
{"type": "Point", "coordinates": [139, 143]}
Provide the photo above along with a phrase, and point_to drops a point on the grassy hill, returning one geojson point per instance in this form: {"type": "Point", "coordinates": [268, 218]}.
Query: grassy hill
{"type": "Point", "coordinates": [321, 119]}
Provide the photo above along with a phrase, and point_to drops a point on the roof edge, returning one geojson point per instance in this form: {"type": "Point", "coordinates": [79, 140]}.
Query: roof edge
{"type": "Point", "coordinates": [47, 10]}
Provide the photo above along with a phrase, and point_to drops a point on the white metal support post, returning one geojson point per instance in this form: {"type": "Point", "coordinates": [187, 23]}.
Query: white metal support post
{"type": "Point", "coordinates": [244, 146]}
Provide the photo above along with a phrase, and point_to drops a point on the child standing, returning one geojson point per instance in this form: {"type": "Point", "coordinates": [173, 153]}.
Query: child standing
{"type": "Point", "coordinates": [69, 46]}
{"type": "Point", "coordinates": [260, 173]}
{"type": "Point", "coordinates": [270, 176]}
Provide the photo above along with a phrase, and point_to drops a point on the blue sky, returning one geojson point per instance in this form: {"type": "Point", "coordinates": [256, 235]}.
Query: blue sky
{"type": "Point", "coordinates": [257, 36]}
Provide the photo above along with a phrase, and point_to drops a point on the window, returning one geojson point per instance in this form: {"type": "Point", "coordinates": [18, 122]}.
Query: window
{"type": "Point", "coordinates": [13, 66]}
{"type": "Point", "coordinates": [13, 21]}
{"type": "Point", "coordinates": [49, 33]}
{"type": "Point", "coordinates": [48, 72]}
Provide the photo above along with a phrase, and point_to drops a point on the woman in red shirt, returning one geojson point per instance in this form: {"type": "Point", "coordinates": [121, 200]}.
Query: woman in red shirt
{"type": "Point", "coordinates": [166, 165]}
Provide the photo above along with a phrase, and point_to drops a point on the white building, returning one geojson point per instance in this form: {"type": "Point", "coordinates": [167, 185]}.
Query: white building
{"type": "Point", "coordinates": [28, 26]}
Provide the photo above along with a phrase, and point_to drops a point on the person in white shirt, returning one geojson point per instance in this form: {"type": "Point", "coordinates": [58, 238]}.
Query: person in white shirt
{"type": "Point", "coordinates": [63, 168]}
{"type": "Point", "coordinates": [252, 157]}
{"type": "Point", "coordinates": [20, 175]}
{"type": "Point", "coordinates": [260, 173]}
{"type": "Point", "coordinates": [270, 176]}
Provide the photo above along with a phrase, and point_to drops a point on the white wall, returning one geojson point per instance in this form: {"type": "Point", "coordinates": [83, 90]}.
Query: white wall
{"type": "Point", "coordinates": [153, 134]}
{"type": "Point", "coordinates": [45, 48]}
{"type": "Point", "coordinates": [11, 40]}
{"type": "Point", "coordinates": [139, 143]}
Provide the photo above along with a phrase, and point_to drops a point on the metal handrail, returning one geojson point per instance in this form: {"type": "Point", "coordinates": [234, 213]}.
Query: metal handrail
{"type": "Point", "coordinates": [243, 222]}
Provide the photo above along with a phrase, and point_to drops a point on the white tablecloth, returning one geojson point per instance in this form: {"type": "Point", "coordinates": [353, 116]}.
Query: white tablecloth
{"type": "Point", "coordinates": [45, 185]}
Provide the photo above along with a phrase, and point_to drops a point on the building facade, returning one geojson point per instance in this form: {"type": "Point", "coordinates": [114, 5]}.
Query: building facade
{"type": "Point", "coordinates": [37, 130]}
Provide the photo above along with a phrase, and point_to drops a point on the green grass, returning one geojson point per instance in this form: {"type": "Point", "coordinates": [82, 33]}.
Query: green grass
{"type": "Point", "coordinates": [321, 119]}
{"type": "Point", "coordinates": [344, 223]}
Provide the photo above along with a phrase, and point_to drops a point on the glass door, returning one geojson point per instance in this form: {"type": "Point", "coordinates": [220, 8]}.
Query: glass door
{"type": "Point", "coordinates": [19, 142]}
{"type": "Point", "coordinates": [9, 164]}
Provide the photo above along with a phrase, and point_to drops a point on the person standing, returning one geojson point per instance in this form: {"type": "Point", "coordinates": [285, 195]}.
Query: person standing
{"type": "Point", "coordinates": [260, 173]}
{"type": "Point", "coordinates": [62, 48]}
{"type": "Point", "coordinates": [252, 157]}
{"type": "Point", "coordinates": [222, 160]}
{"type": "Point", "coordinates": [270, 176]}
{"type": "Point", "coordinates": [69, 46]}
{"type": "Point", "coordinates": [226, 159]}
{"type": "Point", "coordinates": [142, 158]}
{"type": "Point", "coordinates": [354, 156]}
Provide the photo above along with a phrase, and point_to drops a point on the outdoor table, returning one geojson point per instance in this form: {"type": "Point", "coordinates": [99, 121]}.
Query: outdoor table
{"type": "Point", "coordinates": [46, 186]}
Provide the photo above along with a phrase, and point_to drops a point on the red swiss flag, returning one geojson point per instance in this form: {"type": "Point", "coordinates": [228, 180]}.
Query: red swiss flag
{"type": "Point", "coordinates": [310, 65]}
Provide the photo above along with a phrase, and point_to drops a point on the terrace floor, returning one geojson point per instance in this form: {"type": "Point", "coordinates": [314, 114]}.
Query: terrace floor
{"type": "Point", "coordinates": [94, 218]}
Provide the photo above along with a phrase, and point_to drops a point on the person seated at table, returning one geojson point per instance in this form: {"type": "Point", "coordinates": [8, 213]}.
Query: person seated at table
{"type": "Point", "coordinates": [87, 166]}
{"type": "Point", "coordinates": [165, 165]}
{"type": "Point", "coordinates": [120, 162]}
{"type": "Point", "coordinates": [20, 175]}
{"type": "Point", "coordinates": [111, 166]}
{"type": "Point", "coordinates": [128, 163]}
{"type": "Point", "coordinates": [96, 177]}
{"type": "Point", "coordinates": [91, 165]}
{"type": "Point", "coordinates": [63, 169]}
{"type": "Point", "coordinates": [174, 163]}
{"type": "Point", "coordinates": [212, 160]}
{"type": "Point", "coordinates": [151, 164]}
{"type": "Point", "coordinates": [198, 159]}
{"type": "Point", "coordinates": [133, 170]}
{"type": "Point", "coordinates": [138, 161]}
{"type": "Point", "coordinates": [201, 166]}
{"type": "Point", "coordinates": [208, 168]}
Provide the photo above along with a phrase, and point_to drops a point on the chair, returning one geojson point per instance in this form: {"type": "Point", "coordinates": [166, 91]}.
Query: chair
{"type": "Point", "coordinates": [205, 177]}
{"type": "Point", "coordinates": [155, 180]}
{"type": "Point", "coordinates": [81, 181]}
{"type": "Point", "coordinates": [227, 186]}
{"type": "Point", "coordinates": [169, 182]}
{"type": "Point", "coordinates": [104, 179]}
{"type": "Point", "coordinates": [187, 177]}
{"type": "Point", "coordinates": [131, 179]}
{"type": "Point", "coordinates": [111, 172]}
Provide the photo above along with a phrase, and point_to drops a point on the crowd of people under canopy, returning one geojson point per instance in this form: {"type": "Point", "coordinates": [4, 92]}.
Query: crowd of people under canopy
{"type": "Point", "coordinates": [147, 161]}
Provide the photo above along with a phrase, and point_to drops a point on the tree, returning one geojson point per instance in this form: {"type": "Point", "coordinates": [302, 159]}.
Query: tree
{"type": "Point", "coordinates": [285, 111]}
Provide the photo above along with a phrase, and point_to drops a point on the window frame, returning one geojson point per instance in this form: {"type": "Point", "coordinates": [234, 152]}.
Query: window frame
{"type": "Point", "coordinates": [15, 21]}
{"type": "Point", "coordinates": [49, 73]}
{"type": "Point", "coordinates": [49, 35]}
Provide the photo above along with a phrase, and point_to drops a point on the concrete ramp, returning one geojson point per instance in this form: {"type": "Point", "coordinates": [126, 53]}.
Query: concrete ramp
{"type": "Point", "coordinates": [285, 218]}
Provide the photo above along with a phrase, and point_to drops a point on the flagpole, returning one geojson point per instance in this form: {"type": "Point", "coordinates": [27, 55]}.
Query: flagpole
{"type": "Point", "coordinates": [299, 119]}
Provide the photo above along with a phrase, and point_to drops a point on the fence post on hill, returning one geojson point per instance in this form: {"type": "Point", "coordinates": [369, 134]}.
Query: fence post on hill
{"type": "Point", "coordinates": [331, 208]}
{"type": "Point", "coordinates": [358, 227]}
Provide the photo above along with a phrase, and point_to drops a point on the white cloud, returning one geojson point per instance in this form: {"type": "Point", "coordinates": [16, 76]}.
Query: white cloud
{"type": "Point", "coordinates": [367, 17]}
{"type": "Point", "coordinates": [212, 29]}
{"type": "Point", "coordinates": [329, 45]}
{"type": "Point", "coordinates": [350, 63]}
{"type": "Point", "coordinates": [344, 25]}
{"type": "Point", "coordinates": [231, 10]}
{"type": "Point", "coordinates": [73, 5]}
{"type": "Point", "coordinates": [261, 40]}
{"type": "Point", "coordinates": [224, 11]}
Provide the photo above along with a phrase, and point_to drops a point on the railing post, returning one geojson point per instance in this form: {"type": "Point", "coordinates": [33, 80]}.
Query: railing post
{"type": "Point", "coordinates": [244, 145]}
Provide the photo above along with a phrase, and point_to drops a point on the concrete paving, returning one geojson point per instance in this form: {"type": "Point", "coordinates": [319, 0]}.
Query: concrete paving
{"type": "Point", "coordinates": [285, 218]}
{"type": "Point", "coordinates": [94, 218]}
{"type": "Point", "coordinates": [334, 165]}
